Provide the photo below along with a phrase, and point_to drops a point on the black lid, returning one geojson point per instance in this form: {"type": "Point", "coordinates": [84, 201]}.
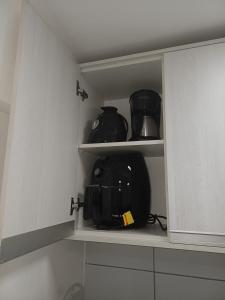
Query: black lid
{"type": "Point", "coordinates": [145, 94]}
{"type": "Point", "coordinates": [147, 101]}
{"type": "Point", "coordinates": [109, 109]}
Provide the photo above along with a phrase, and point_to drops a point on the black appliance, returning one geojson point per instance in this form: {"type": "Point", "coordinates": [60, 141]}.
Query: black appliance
{"type": "Point", "coordinates": [119, 187]}
{"type": "Point", "coordinates": [145, 108]}
{"type": "Point", "coordinates": [110, 126]}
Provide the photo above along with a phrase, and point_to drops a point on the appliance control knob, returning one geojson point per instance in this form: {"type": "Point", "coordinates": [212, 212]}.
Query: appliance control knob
{"type": "Point", "coordinates": [97, 172]}
{"type": "Point", "coordinates": [95, 124]}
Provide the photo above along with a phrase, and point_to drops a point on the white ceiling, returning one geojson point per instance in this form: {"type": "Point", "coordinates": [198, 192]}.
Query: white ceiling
{"type": "Point", "coordinates": [98, 29]}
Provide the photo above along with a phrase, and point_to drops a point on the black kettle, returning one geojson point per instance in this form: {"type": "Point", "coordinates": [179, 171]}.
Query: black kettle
{"type": "Point", "coordinates": [110, 126]}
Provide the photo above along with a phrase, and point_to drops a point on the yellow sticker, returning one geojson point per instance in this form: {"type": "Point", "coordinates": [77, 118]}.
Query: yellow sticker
{"type": "Point", "coordinates": [128, 218]}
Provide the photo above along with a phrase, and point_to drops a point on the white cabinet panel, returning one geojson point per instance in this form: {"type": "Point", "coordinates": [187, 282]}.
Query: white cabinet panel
{"type": "Point", "coordinates": [9, 23]}
{"type": "Point", "coordinates": [195, 141]}
{"type": "Point", "coordinates": [122, 256]}
{"type": "Point", "coordinates": [41, 164]}
{"type": "Point", "coordinates": [169, 287]}
{"type": "Point", "coordinates": [108, 283]}
{"type": "Point", "coordinates": [190, 263]}
{"type": "Point", "coordinates": [60, 138]}
{"type": "Point", "coordinates": [4, 121]}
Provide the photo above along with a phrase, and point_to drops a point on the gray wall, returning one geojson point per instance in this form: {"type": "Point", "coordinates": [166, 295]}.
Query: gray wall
{"type": "Point", "coordinates": [117, 272]}
{"type": "Point", "coordinates": [51, 273]}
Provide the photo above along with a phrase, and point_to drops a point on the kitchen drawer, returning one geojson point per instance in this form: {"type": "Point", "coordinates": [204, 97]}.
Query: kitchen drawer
{"type": "Point", "coordinates": [131, 257]}
{"type": "Point", "coordinates": [171, 287]}
{"type": "Point", "coordinates": [190, 263]}
{"type": "Point", "coordinates": [110, 283]}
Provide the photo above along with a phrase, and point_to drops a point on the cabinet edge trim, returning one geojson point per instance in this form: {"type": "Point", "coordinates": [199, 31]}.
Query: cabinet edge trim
{"type": "Point", "coordinates": [140, 57]}
{"type": "Point", "coordinates": [19, 245]}
{"type": "Point", "coordinates": [197, 238]}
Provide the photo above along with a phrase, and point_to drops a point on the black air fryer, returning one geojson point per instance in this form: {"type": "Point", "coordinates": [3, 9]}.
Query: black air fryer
{"type": "Point", "coordinates": [119, 186]}
{"type": "Point", "coordinates": [145, 108]}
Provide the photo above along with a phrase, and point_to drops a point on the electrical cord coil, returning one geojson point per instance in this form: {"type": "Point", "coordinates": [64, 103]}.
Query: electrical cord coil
{"type": "Point", "coordinates": [154, 218]}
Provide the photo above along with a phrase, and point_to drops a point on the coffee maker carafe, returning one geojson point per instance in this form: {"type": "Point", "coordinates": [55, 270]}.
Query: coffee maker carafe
{"type": "Point", "coordinates": [145, 108]}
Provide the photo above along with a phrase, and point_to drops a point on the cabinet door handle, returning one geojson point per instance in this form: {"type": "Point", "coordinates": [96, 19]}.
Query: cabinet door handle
{"type": "Point", "coordinates": [76, 205]}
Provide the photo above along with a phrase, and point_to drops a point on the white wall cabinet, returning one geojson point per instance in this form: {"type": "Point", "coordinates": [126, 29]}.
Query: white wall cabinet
{"type": "Point", "coordinates": [47, 160]}
{"type": "Point", "coordinates": [195, 142]}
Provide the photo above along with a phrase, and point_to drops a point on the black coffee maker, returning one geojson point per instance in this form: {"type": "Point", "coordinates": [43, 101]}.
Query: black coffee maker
{"type": "Point", "coordinates": [145, 108]}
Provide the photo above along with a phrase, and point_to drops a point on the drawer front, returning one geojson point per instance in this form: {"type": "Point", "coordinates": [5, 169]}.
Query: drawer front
{"type": "Point", "coordinates": [110, 283]}
{"type": "Point", "coordinates": [132, 257]}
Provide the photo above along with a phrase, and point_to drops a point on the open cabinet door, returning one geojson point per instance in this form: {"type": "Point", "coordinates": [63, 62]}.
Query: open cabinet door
{"type": "Point", "coordinates": [40, 172]}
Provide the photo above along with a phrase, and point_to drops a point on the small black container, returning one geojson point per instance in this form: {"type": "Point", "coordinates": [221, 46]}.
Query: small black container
{"type": "Point", "coordinates": [110, 126]}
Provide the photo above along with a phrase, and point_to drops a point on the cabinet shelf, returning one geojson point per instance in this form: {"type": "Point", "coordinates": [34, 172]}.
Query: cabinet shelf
{"type": "Point", "coordinates": [150, 236]}
{"type": "Point", "coordinates": [153, 148]}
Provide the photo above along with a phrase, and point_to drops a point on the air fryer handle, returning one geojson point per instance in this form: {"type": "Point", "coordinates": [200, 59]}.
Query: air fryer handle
{"type": "Point", "coordinates": [107, 204]}
{"type": "Point", "coordinates": [91, 196]}
{"type": "Point", "coordinates": [98, 204]}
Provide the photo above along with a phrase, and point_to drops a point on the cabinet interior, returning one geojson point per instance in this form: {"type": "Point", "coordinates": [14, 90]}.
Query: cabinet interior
{"type": "Point", "coordinates": [114, 85]}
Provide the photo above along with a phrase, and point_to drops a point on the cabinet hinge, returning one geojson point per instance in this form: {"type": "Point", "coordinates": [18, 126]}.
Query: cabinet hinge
{"type": "Point", "coordinates": [76, 205]}
{"type": "Point", "coordinates": [81, 92]}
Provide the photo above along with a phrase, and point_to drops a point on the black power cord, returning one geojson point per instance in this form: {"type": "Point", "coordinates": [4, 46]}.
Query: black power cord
{"type": "Point", "coordinates": [153, 218]}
